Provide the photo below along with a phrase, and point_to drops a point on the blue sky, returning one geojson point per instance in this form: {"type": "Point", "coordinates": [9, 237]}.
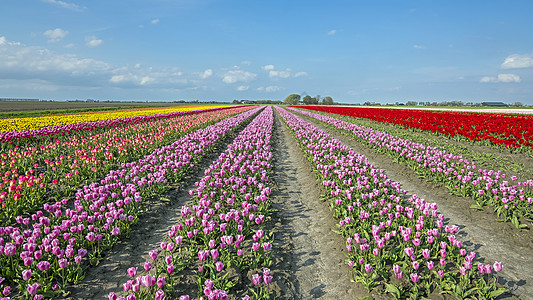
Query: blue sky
{"type": "Point", "coordinates": [353, 51]}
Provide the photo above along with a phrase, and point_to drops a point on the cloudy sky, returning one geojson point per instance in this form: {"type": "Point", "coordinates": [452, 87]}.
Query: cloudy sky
{"type": "Point", "coordinates": [354, 51]}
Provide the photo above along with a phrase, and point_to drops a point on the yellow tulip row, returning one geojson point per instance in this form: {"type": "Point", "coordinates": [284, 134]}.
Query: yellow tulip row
{"type": "Point", "coordinates": [18, 124]}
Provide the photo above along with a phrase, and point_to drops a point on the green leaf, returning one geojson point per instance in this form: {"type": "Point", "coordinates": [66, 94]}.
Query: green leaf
{"type": "Point", "coordinates": [164, 199]}
{"type": "Point", "coordinates": [497, 292]}
{"type": "Point", "coordinates": [476, 206]}
{"type": "Point", "coordinates": [522, 226]}
{"type": "Point", "coordinates": [391, 288]}
{"type": "Point", "coordinates": [515, 222]}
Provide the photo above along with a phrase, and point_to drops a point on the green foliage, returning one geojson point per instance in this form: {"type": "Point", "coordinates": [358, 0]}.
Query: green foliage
{"type": "Point", "coordinates": [292, 99]}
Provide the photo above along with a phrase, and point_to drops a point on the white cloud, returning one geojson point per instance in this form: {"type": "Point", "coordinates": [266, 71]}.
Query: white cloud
{"type": "Point", "coordinates": [273, 88]}
{"type": "Point", "coordinates": [55, 35]}
{"type": "Point", "coordinates": [23, 66]}
{"type": "Point", "coordinates": [246, 62]}
{"type": "Point", "coordinates": [517, 61]}
{"type": "Point", "coordinates": [332, 32]}
{"type": "Point", "coordinates": [92, 41]}
{"type": "Point", "coordinates": [154, 21]}
{"type": "Point", "coordinates": [418, 47]}
{"type": "Point", "coordinates": [16, 57]}
{"type": "Point", "coordinates": [63, 4]}
{"type": "Point", "coordinates": [206, 74]}
{"type": "Point", "coordinates": [275, 74]}
{"type": "Point", "coordinates": [131, 78]}
{"type": "Point", "coordinates": [234, 76]}
{"type": "Point", "coordinates": [281, 74]}
{"type": "Point", "coordinates": [243, 88]}
{"type": "Point", "coordinates": [506, 78]}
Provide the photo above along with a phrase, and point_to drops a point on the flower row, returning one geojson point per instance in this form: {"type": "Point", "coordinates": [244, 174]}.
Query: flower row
{"type": "Point", "coordinates": [509, 197]}
{"type": "Point", "coordinates": [508, 130]}
{"type": "Point", "coordinates": [18, 127]}
{"type": "Point", "coordinates": [394, 244]}
{"type": "Point", "coordinates": [221, 233]}
{"type": "Point", "coordinates": [29, 125]}
{"type": "Point", "coordinates": [43, 252]}
{"type": "Point", "coordinates": [60, 165]}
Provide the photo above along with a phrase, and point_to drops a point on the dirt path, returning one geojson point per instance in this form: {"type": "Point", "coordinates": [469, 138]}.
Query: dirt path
{"type": "Point", "coordinates": [492, 240]}
{"type": "Point", "coordinates": [309, 256]}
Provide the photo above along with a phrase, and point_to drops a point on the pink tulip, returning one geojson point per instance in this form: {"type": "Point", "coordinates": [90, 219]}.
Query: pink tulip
{"type": "Point", "coordinates": [498, 266]}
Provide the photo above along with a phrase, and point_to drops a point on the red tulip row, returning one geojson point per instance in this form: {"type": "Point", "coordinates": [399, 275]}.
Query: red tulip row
{"type": "Point", "coordinates": [507, 130]}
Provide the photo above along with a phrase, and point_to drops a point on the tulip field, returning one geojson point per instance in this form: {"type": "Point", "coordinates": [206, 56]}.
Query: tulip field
{"type": "Point", "coordinates": [75, 187]}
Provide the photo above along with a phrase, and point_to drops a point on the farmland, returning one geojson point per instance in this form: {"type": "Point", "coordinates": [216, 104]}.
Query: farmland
{"type": "Point", "coordinates": [256, 202]}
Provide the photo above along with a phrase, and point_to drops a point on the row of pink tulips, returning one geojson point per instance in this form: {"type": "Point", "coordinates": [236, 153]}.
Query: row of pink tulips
{"type": "Point", "coordinates": [510, 198]}
{"type": "Point", "coordinates": [58, 166]}
{"type": "Point", "coordinates": [221, 233]}
{"type": "Point", "coordinates": [44, 252]}
{"type": "Point", "coordinates": [394, 244]}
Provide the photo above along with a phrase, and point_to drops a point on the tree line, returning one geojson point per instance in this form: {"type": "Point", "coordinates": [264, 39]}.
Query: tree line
{"type": "Point", "coordinates": [295, 99]}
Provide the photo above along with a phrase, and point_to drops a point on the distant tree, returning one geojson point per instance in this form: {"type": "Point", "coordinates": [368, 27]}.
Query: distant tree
{"type": "Point", "coordinates": [411, 103]}
{"type": "Point", "coordinates": [518, 104]}
{"type": "Point", "coordinates": [313, 101]}
{"type": "Point", "coordinates": [367, 103]}
{"type": "Point", "coordinates": [235, 101]}
{"type": "Point", "coordinates": [292, 99]}
{"type": "Point", "coordinates": [307, 99]}
{"type": "Point", "coordinates": [327, 100]}
{"type": "Point", "coordinates": [317, 97]}
{"type": "Point", "coordinates": [421, 103]}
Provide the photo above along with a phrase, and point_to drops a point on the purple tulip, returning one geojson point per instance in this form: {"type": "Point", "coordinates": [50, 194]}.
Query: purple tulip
{"type": "Point", "coordinates": [256, 279]}
{"type": "Point", "coordinates": [219, 266]}
{"type": "Point", "coordinates": [368, 268]}
{"type": "Point", "coordinates": [161, 281]}
{"type": "Point", "coordinates": [170, 268]}
{"type": "Point", "coordinates": [33, 288]}
{"type": "Point", "coordinates": [408, 251]}
{"type": "Point", "coordinates": [159, 295]}
{"type": "Point", "coordinates": [26, 274]}
{"type": "Point", "coordinates": [426, 253]}
{"type": "Point", "coordinates": [147, 280]}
